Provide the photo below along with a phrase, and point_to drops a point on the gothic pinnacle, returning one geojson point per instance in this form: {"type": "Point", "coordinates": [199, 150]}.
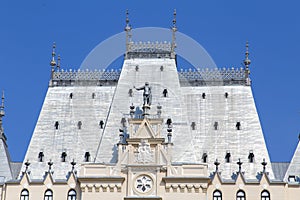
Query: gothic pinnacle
{"type": "Point", "coordinates": [2, 105]}
{"type": "Point", "coordinates": [53, 63]}
{"type": "Point", "coordinates": [247, 61]}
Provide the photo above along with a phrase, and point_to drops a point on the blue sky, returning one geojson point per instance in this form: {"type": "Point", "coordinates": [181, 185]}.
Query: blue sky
{"type": "Point", "coordinates": [28, 29]}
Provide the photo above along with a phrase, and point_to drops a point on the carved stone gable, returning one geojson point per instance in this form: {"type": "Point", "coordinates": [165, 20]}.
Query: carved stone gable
{"type": "Point", "coordinates": [145, 130]}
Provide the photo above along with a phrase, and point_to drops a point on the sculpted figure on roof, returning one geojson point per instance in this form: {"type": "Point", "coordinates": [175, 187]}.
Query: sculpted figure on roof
{"type": "Point", "coordinates": [147, 95]}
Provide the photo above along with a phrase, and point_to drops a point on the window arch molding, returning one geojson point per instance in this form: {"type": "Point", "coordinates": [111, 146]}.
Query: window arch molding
{"type": "Point", "coordinates": [48, 195]}
{"type": "Point", "coordinates": [72, 195]}
{"type": "Point", "coordinates": [265, 195]}
{"type": "Point", "coordinates": [24, 195]}
{"type": "Point", "coordinates": [240, 195]}
{"type": "Point", "coordinates": [217, 195]}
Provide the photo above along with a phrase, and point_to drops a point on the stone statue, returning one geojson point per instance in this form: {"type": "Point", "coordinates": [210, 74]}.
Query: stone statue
{"type": "Point", "coordinates": [147, 93]}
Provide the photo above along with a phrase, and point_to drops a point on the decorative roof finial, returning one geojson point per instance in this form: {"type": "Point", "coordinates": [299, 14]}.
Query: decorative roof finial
{"type": "Point", "coordinates": [217, 163]}
{"type": "Point", "coordinates": [73, 163]}
{"type": "Point", "coordinates": [174, 29]}
{"type": "Point", "coordinates": [240, 165]}
{"type": "Point", "coordinates": [128, 33]}
{"type": "Point", "coordinates": [264, 163]}
{"type": "Point", "coordinates": [53, 63]}
{"type": "Point", "coordinates": [27, 163]}
{"type": "Point", "coordinates": [50, 163]}
{"type": "Point", "coordinates": [58, 61]}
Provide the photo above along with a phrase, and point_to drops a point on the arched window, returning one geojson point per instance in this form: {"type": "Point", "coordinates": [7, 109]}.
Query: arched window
{"type": "Point", "coordinates": [48, 195]}
{"type": "Point", "coordinates": [72, 195]}
{"type": "Point", "coordinates": [240, 195]}
{"type": "Point", "coordinates": [217, 195]}
{"type": "Point", "coordinates": [265, 195]}
{"type": "Point", "coordinates": [24, 195]}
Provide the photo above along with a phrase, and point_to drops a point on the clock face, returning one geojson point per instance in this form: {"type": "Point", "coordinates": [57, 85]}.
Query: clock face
{"type": "Point", "coordinates": [143, 183]}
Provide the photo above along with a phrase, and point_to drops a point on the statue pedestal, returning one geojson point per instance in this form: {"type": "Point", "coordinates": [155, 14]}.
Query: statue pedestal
{"type": "Point", "coordinates": [146, 109]}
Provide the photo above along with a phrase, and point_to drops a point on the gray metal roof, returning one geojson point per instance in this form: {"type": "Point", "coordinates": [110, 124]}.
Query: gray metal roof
{"type": "Point", "coordinates": [294, 166]}
{"type": "Point", "coordinates": [15, 169]}
{"type": "Point", "coordinates": [185, 105]}
{"type": "Point", "coordinates": [279, 169]}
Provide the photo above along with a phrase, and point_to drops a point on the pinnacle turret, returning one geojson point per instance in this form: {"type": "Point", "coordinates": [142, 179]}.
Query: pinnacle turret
{"type": "Point", "coordinates": [128, 32]}
{"type": "Point", "coordinates": [174, 30]}
{"type": "Point", "coordinates": [247, 62]}
{"type": "Point", "coordinates": [2, 113]}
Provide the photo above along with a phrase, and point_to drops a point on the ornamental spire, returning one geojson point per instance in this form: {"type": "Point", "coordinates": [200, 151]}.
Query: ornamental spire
{"type": "Point", "coordinates": [128, 32]}
{"type": "Point", "coordinates": [174, 29]}
{"type": "Point", "coordinates": [2, 113]}
{"type": "Point", "coordinates": [53, 63]}
{"type": "Point", "coordinates": [247, 62]}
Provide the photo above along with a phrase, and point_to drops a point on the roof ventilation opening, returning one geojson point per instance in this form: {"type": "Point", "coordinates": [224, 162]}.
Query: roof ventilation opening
{"type": "Point", "coordinates": [71, 95]}
{"type": "Point", "coordinates": [203, 95]}
{"type": "Point", "coordinates": [79, 124]}
{"type": "Point", "coordinates": [93, 95]}
{"type": "Point", "coordinates": [101, 123]}
{"type": "Point", "coordinates": [204, 157]}
{"type": "Point", "coordinates": [238, 126]}
{"type": "Point", "coordinates": [227, 157]}
{"type": "Point", "coordinates": [216, 125]}
{"type": "Point", "coordinates": [193, 125]}
{"type": "Point", "coordinates": [165, 93]}
{"type": "Point", "coordinates": [251, 157]}
{"type": "Point", "coordinates": [87, 156]}
{"type": "Point", "coordinates": [63, 156]}
{"type": "Point", "coordinates": [56, 125]}
{"type": "Point", "coordinates": [41, 156]}
{"type": "Point", "coordinates": [226, 95]}
{"type": "Point", "coordinates": [130, 92]}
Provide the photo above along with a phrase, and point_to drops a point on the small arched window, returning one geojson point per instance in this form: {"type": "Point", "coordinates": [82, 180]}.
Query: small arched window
{"type": "Point", "coordinates": [265, 195]}
{"type": "Point", "coordinates": [48, 195]}
{"type": "Point", "coordinates": [24, 195]}
{"type": "Point", "coordinates": [72, 195]}
{"type": "Point", "coordinates": [217, 195]}
{"type": "Point", "coordinates": [240, 195]}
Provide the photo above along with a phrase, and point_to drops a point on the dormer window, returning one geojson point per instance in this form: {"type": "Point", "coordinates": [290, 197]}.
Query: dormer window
{"type": "Point", "coordinates": [169, 122]}
{"type": "Point", "coordinates": [251, 157]}
{"type": "Point", "coordinates": [216, 125]}
{"type": "Point", "coordinates": [227, 157]}
{"type": "Point", "coordinates": [226, 95]}
{"type": "Point", "coordinates": [63, 156]}
{"type": "Point", "coordinates": [193, 125]}
{"type": "Point", "coordinates": [79, 124]}
{"type": "Point", "coordinates": [56, 125]}
{"type": "Point", "coordinates": [41, 156]}
{"type": "Point", "coordinates": [238, 126]}
{"type": "Point", "coordinates": [165, 92]}
{"type": "Point", "coordinates": [130, 92]}
{"type": "Point", "coordinates": [87, 156]}
{"type": "Point", "coordinates": [204, 157]}
{"type": "Point", "coordinates": [101, 123]}
{"type": "Point", "coordinates": [292, 178]}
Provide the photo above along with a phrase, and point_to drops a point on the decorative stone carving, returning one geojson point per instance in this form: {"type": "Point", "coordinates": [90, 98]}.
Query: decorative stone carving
{"type": "Point", "coordinates": [145, 154]}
